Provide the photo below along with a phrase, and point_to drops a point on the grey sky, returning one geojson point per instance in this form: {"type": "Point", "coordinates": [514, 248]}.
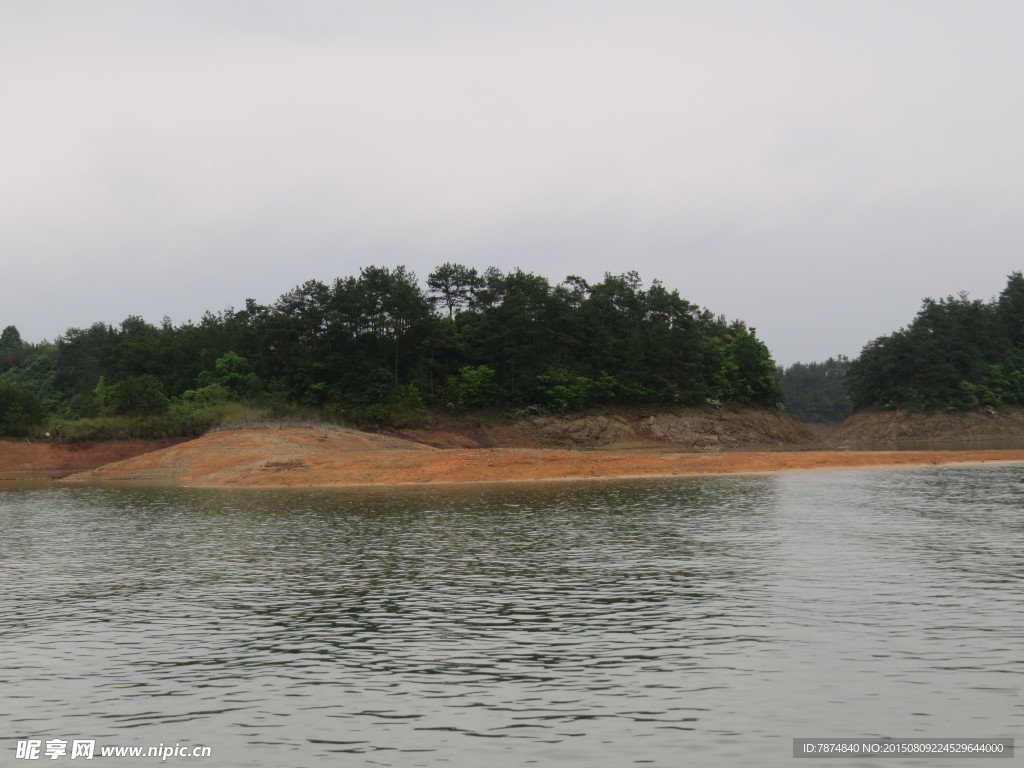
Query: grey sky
{"type": "Point", "coordinates": [814, 168]}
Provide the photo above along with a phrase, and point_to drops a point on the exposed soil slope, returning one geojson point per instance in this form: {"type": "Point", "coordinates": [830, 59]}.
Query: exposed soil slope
{"type": "Point", "coordinates": [224, 457]}
{"type": "Point", "coordinates": [20, 460]}
{"type": "Point", "coordinates": [881, 427]}
{"type": "Point", "coordinates": [697, 429]}
{"type": "Point", "coordinates": [299, 457]}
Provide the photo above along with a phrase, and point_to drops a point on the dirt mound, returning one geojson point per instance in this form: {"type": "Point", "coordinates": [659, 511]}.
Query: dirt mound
{"type": "Point", "coordinates": [222, 457]}
{"type": "Point", "coordinates": [891, 427]}
{"type": "Point", "coordinates": [304, 457]}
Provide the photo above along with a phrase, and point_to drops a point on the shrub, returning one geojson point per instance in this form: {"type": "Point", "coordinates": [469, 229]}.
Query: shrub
{"type": "Point", "coordinates": [473, 386]}
{"type": "Point", "coordinates": [20, 410]}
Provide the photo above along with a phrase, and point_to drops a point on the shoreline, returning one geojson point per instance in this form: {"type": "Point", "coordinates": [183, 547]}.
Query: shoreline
{"type": "Point", "coordinates": [407, 484]}
{"type": "Point", "coordinates": [745, 464]}
{"type": "Point", "coordinates": [303, 457]}
{"type": "Point", "coordinates": [40, 462]}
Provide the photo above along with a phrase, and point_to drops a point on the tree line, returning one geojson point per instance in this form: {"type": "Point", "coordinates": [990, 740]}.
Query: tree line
{"type": "Point", "coordinates": [958, 353]}
{"type": "Point", "coordinates": [379, 347]}
{"type": "Point", "coordinates": [817, 392]}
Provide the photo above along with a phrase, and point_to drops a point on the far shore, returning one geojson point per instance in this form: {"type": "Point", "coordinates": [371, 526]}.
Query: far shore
{"type": "Point", "coordinates": [510, 470]}
{"type": "Point", "coordinates": [304, 457]}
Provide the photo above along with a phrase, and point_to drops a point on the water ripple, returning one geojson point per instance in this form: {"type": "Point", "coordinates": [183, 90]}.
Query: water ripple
{"type": "Point", "coordinates": [599, 624]}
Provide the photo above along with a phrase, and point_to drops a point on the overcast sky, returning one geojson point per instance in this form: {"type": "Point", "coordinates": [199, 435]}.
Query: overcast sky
{"type": "Point", "coordinates": [814, 167]}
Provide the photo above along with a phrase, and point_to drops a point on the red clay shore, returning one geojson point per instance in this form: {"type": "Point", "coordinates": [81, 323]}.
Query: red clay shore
{"type": "Point", "coordinates": [21, 460]}
{"type": "Point", "coordinates": [311, 457]}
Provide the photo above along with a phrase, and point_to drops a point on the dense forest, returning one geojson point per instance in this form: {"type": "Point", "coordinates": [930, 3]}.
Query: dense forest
{"type": "Point", "coordinates": [381, 348]}
{"type": "Point", "coordinates": [817, 393]}
{"type": "Point", "coordinates": [958, 353]}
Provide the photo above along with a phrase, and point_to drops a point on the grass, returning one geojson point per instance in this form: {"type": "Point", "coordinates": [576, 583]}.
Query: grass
{"type": "Point", "coordinates": [177, 422]}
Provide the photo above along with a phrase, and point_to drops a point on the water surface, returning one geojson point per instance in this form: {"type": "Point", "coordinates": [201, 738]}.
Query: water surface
{"type": "Point", "coordinates": [690, 621]}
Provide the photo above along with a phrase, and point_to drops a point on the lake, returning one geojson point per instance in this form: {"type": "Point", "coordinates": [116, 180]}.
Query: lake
{"type": "Point", "coordinates": [692, 621]}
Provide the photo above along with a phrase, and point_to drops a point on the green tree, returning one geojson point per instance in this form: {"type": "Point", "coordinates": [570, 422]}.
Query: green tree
{"type": "Point", "coordinates": [817, 392]}
{"type": "Point", "coordinates": [232, 372]}
{"type": "Point", "coordinates": [37, 372]}
{"type": "Point", "coordinates": [10, 339]}
{"type": "Point", "coordinates": [81, 356]}
{"type": "Point", "coordinates": [560, 390]}
{"type": "Point", "coordinates": [20, 410]}
{"type": "Point", "coordinates": [12, 348]}
{"type": "Point", "coordinates": [142, 395]}
{"type": "Point", "coordinates": [378, 342]}
{"type": "Point", "coordinates": [473, 387]}
{"type": "Point", "coordinates": [958, 353]}
{"type": "Point", "coordinates": [104, 398]}
{"type": "Point", "coordinates": [746, 373]}
{"type": "Point", "coordinates": [453, 286]}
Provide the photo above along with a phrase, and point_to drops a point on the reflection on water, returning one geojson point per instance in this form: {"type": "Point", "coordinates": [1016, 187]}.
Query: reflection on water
{"type": "Point", "coordinates": [700, 621]}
